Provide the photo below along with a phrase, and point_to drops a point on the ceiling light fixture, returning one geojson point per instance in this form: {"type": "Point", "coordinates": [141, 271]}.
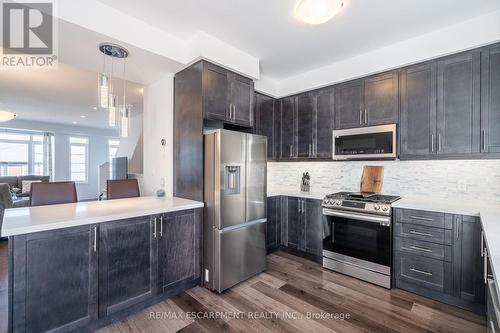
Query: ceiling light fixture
{"type": "Point", "coordinates": [6, 116]}
{"type": "Point", "coordinates": [83, 116]}
{"type": "Point", "coordinates": [318, 11]}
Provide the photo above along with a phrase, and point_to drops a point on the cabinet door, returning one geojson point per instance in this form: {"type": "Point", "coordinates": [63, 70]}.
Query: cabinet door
{"type": "Point", "coordinates": [273, 223]}
{"type": "Point", "coordinates": [313, 227]}
{"type": "Point", "coordinates": [215, 92]}
{"type": "Point", "coordinates": [322, 146]}
{"type": "Point", "coordinates": [265, 122]}
{"type": "Point", "coordinates": [127, 264]}
{"type": "Point", "coordinates": [467, 260]}
{"type": "Point", "coordinates": [54, 280]}
{"type": "Point", "coordinates": [381, 99]}
{"type": "Point", "coordinates": [458, 104]}
{"type": "Point", "coordinates": [294, 232]}
{"type": "Point", "coordinates": [418, 109]}
{"type": "Point", "coordinates": [241, 100]}
{"type": "Point", "coordinates": [490, 99]}
{"type": "Point", "coordinates": [305, 130]}
{"type": "Point", "coordinates": [179, 248]}
{"type": "Point", "coordinates": [349, 105]}
{"type": "Point", "coordinates": [288, 128]}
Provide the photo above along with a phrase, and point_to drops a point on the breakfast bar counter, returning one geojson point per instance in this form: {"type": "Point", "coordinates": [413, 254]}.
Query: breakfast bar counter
{"type": "Point", "coordinates": [79, 267]}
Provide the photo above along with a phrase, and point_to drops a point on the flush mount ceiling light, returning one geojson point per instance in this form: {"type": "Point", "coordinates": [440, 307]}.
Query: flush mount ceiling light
{"type": "Point", "coordinates": [6, 116]}
{"type": "Point", "coordinates": [318, 11]}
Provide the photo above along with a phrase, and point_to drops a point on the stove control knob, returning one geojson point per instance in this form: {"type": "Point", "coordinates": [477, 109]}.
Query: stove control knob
{"type": "Point", "coordinates": [385, 208]}
{"type": "Point", "coordinates": [338, 202]}
{"type": "Point", "coordinates": [377, 207]}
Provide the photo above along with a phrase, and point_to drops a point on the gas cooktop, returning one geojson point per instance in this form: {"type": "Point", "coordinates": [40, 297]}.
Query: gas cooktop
{"type": "Point", "coordinates": [369, 203]}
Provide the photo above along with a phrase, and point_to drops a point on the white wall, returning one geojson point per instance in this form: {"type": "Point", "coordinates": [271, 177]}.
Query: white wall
{"type": "Point", "coordinates": [158, 124]}
{"type": "Point", "coordinates": [98, 151]}
{"type": "Point", "coordinates": [461, 180]}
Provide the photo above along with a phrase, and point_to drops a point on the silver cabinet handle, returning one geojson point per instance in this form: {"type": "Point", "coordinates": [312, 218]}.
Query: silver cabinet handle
{"type": "Point", "coordinates": [432, 143]}
{"type": "Point", "coordinates": [234, 112]}
{"type": "Point", "coordinates": [366, 117]}
{"type": "Point", "coordinates": [421, 218]}
{"type": "Point", "coordinates": [154, 228]}
{"type": "Point", "coordinates": [458, 227]}
{"type": "Point", "coordinates": [95, 239]}
{"type": "Point", "coordinates": [303, 206]}
{"type": "Point", "coordinates": [361, 117]}
{"type": "Point", "coordinates": [421, 272]}
{"type": "Point", "coordinates": [483, 140]}
{"type": "Point", "coordinates": [314, 150]}
{"type": "Point", "coordinates": [485, 266]}
{"type": "Point", "coordinates": [420, 233]}
{"type": "Point", "coordinates": [291, 150]}
{"type": "Point", "coordinates": [482, 243]}
{"type": "Point", "coordinates": [310, 147]}
{"type": "Point", "coordinates": [418, 248]}
{"type": "Point", "coordinates": [230, 109]}
{"type": "Point", "coordinates": [298, 206]}
{"type": "Point", "coordinates": [439, 142]}
{"type": "Point", "coordinates": [161, 226]}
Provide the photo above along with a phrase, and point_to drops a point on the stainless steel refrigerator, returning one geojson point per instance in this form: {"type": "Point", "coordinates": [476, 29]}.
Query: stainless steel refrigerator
{"type": "Point", "coordinates": [235, 212]}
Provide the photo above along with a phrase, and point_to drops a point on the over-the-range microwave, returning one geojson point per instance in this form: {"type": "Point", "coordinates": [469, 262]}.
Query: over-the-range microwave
{"type": "Point", "coordinates": [373, 142]}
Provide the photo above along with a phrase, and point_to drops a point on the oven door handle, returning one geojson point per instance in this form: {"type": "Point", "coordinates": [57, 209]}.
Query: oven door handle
{"type": "Point", "coordinates": [384, 221]}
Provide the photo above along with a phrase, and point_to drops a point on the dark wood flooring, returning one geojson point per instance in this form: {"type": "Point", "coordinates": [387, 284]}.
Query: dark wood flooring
{"type": "Point", "coordinates": [281, 299]}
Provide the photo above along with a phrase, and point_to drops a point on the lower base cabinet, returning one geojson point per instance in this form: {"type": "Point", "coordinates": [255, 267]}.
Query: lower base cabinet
{"type": "Point", "coordinates": [82, 278]}
{"type": "Point", "coordinates": [438, 255]}
{"type": "Point", "coordinates": [295, 225]}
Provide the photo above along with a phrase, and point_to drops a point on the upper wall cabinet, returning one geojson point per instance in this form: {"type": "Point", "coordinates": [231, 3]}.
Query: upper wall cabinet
{"type": "Point", "coordinates": [288, 124]}
{"type": "Point", "coordinates": [490, 100]}
{"type": "Point", "coordinates": [458, 104]}
{"type": "Point", "coordinates": [306, 124]}
{"type": "Point", "coordinates": [227, 96]}
{"type": "Point", "coordinates": [367, 102]}
{"type": "Point", "coordinates": [418, 109]}
{"type": "Point", "coordinates": [266, 122]}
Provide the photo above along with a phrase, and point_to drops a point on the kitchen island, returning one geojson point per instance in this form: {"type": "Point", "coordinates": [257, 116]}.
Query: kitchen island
{"type": "Point", "coordinates": [82, 266]}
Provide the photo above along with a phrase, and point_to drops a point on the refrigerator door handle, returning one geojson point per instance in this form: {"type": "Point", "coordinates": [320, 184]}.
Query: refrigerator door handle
{"type": "Point", "coordinates": [243, 225]}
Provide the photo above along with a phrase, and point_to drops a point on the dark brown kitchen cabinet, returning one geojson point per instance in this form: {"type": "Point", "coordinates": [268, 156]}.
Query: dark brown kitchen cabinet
{"type": "Point", "coordinates": [381, 99]}
{"type": "Point", "coordinates": [273, 230]}
{"type": "Point", "coordinates": [322, 146]}
{"type": "Point", "coordinates": [54, 280]}
{"type": "Point", "coordinates": [418, 109]}
{"type": "Point", "coordinates": [367, 102]}
{"type": "Point", "coordinates": [288, 122]}
{"type": "Point", "coordinates": [490, 100]}
{"type": "Point", "coordinates": [127, 263]}
{"type": "Point", "coordinates": [306, 124]}
{"type": "Point", "coordinates": [267, 122]}
{"type": "Point", "coordinates": [349, 111]}
{"type": "Point", "coordinates": [313, 234]}
{"type": "Point", "coordinates": [458, 104]}
{"type": "Point", "coordinates": [227, 96]}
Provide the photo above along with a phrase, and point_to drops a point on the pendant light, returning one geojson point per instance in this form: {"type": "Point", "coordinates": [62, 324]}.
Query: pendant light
{"type": "Point", "coordinates": [112, 111]}
{"type": "Point", "coordinates": [103, 90]}
{"type": "Point", "coordinates": [318, 11]}
{"type": "Point", "coordinates": [124, 121]}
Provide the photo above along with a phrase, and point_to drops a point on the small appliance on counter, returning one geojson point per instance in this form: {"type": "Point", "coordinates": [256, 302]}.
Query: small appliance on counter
{"type": "Point", "coordinates": [235, 211]}
{"type": "Point", "coordinates": [305, 184]}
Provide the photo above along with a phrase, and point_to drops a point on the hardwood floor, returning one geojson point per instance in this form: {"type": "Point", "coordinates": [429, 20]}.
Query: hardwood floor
{"type": "Point", "coordinates": [293, 295]}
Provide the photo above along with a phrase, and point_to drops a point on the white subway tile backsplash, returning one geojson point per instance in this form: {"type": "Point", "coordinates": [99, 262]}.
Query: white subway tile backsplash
{"type": "Point", "coordinates": [441, 179]}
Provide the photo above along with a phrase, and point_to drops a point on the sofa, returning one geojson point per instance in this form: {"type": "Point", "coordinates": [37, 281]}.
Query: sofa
{"type": "Point", "coordinates": [7, 202]}
{"type": "Point", "coordinates": [16, 182]}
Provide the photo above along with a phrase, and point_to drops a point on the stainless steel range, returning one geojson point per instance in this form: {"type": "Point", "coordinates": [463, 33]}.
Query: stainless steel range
{"type": "Point", "coordinates": [357, 235]}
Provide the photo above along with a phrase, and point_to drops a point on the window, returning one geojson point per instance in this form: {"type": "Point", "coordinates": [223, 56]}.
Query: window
{"type": "Point", "coordinates": [113, 145]}
{"type": "Point", "coordinates": [23, 153]}
{"type": "Point", "coordinates": [79, 159]}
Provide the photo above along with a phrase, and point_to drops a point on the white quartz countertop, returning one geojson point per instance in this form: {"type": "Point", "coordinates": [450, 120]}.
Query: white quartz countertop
{"type": "Point", "coordinates": [489, 213]}
{"type": "Point", "coordinates": [309, 195]}
{"type": "Point", "coordinates": [25, 220]}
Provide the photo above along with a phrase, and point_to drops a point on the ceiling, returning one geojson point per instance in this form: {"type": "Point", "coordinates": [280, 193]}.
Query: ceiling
{"type": "Point", "coordinates": [285, 46]}
{"type": "Point", "coordinates": [61, 95]}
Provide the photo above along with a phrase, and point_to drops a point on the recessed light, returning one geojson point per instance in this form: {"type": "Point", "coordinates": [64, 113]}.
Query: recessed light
{"type": "Point", "coordinates": [318, 11]}
{"type": "Point", "coordinates": [83, 116]}
{"type": "Point", "coordinates": [74, 123]}
{"type": "Point", "coordinates": [95, 107]}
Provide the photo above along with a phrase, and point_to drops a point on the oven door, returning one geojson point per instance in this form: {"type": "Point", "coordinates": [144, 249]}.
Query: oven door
{"type": "Point", "coordinates": [365, 143]}
{"type": "Point", "coordinates": [362, 240]}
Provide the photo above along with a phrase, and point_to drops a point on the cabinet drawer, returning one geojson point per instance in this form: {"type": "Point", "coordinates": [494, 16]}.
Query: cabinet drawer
{"type": "Point", "coordinates": [421, 217]}
{"type": "Point", "coordinates": [425, 249]}
{"type": "Point", "coordinates": [423, 233]}
{"type": "Point", "coordinates": [423, 272]}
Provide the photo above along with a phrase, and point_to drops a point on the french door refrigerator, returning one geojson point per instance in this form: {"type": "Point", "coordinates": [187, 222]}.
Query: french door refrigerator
{"type": "Point", "coordinates": [235, 211]}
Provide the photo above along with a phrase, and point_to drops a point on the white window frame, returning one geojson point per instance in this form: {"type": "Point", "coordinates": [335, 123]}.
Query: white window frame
{"type": "Point", "coordinates": [86, 145]}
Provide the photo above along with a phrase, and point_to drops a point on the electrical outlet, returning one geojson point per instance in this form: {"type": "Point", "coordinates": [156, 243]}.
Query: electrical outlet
{"type": "Point", "coordinates": [462, 185]}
